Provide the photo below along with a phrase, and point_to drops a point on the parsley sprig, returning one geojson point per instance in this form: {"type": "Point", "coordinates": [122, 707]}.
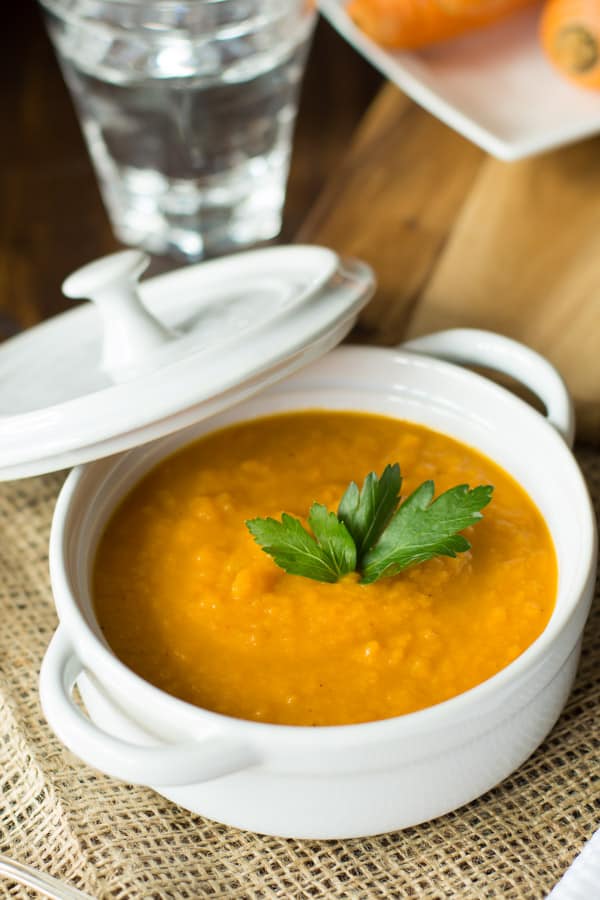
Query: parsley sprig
{"type": "Point", "coordinates": [373, 533]}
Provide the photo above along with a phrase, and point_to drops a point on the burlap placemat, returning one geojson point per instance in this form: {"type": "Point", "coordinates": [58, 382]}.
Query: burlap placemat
{"type": "Point", "coordinates": [118, 841]}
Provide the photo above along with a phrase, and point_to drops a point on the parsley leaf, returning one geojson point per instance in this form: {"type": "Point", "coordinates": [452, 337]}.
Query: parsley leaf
{"type": "Point", "coordinates": [371, 534]}
{"type": "Point", "coordinates": [327, 556]}
{"type": "Point", "coordinates": [421, 529]}
{"type": "Point", "coordinates": [366, 513]}
{"type": "Point", "coordinates": [333, 538]}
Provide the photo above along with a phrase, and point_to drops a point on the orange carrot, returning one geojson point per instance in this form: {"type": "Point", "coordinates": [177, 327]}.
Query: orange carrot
{"type": "Point", "coordinates": [570, 33]}
{"type": "Point", "coordinates": [408, 24]}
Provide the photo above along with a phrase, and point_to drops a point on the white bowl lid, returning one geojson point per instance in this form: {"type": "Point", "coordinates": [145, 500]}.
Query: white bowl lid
{"type": "Point", "coordinates": [143, 361]}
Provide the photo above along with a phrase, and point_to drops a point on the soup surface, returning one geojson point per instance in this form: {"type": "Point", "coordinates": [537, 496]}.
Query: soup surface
{"type": "Point", "coordinates": [188, 600]}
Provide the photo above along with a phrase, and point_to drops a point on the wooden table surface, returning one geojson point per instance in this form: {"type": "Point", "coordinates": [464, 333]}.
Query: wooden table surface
{"type": "Point", "coordinates": [455, 237]}
{"type": "Point", "coordinates": [459, 239]}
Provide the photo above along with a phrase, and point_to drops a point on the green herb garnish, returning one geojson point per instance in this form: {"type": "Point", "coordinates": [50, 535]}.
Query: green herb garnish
{"type": "Point", "coordinates": [372, 534]}
{"type": "Point", "coordinates": [365, 513]}
{"type": "Point", "coordinates": [327, 556]}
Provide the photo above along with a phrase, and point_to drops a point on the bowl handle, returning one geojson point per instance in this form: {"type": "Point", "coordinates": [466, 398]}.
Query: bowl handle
{"type": "Point", "coordinates": [502, 354]}
{"type": "Point", "coordinates": [166, 765]}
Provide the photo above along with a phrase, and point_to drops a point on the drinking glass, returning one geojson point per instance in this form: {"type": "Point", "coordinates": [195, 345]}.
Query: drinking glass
{"type": "Point", "coordinates": [188, 109]}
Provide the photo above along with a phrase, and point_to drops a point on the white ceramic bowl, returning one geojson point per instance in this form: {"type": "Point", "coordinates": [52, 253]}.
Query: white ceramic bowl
{"type": "Point", "coordinates": [351, 780]}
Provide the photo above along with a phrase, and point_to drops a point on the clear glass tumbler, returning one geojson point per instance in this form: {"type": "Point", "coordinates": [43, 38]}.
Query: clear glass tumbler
{"type": "Point", "coordinates": [188, 109]}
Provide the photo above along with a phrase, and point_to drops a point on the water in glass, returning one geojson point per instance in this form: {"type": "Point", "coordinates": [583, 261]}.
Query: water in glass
{"type": "Point", "coordinates": [188, 110]}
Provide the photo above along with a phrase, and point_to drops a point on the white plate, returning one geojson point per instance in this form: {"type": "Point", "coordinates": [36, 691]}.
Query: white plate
{"type": "Point", "coordinates": [493, 86]}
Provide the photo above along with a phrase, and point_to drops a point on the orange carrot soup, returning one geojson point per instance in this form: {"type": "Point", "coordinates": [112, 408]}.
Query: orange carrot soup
{"type": "Point", "coordinates": [189, 601]}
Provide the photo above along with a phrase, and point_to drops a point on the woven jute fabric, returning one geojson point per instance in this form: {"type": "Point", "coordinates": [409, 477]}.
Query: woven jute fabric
{"type": "Point", "coordinates": [117, 841]}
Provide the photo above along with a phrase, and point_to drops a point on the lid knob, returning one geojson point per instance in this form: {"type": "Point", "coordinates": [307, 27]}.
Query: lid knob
{"type": "Point", "coordinates": [130, 332]}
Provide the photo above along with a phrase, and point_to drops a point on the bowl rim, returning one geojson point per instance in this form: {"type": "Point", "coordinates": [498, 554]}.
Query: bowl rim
{"type": "Point", "coordinates": [461, 707]}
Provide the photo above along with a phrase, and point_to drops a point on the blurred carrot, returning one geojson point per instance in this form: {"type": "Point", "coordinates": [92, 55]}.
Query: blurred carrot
{"type": "Point", "coordinates": [408, 24]}
{"type": "Point", "coordinates": [570, 32]}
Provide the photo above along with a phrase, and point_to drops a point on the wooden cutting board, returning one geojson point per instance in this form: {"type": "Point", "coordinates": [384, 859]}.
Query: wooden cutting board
{"type": "Point", "coordinates": [457, 238]}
